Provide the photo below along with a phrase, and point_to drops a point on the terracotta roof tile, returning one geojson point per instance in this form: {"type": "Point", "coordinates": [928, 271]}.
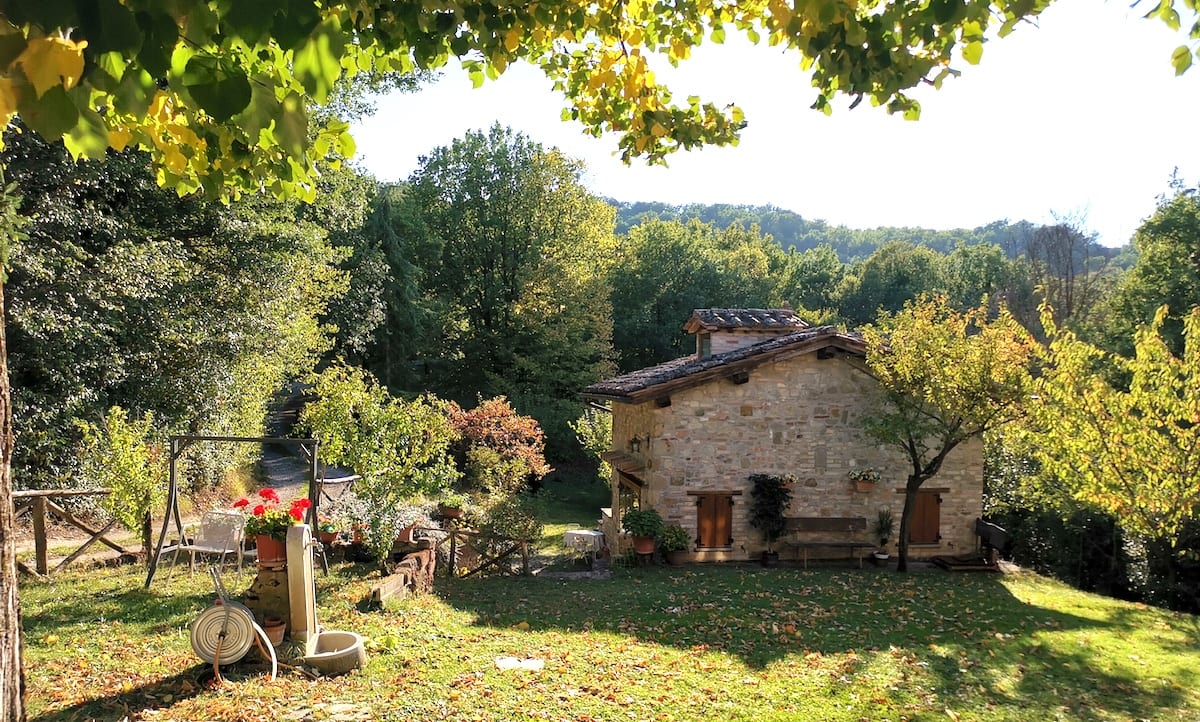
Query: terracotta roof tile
{"type": "Point", "coordinates": [712, 319]}
{"type": "Point", "coordinates": [641, 384]}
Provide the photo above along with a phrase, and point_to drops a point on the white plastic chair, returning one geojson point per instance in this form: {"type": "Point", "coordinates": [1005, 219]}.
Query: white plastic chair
{"type": "Point", "coordinates": [220, 533]}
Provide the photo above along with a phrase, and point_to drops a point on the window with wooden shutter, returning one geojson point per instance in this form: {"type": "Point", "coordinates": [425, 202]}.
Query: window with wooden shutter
{"type": "Point", "coordinates": [925, 525]}
{"type": "Point", "coordinates": [714, 521]}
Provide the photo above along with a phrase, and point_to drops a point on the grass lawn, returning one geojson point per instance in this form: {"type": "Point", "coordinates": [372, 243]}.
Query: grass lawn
{"type": "Point", "coordinates": [711, 642]}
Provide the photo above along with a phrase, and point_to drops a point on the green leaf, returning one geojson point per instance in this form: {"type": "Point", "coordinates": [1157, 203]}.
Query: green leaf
{"type": "Point", "coordinates": [161, 35]}
{"type": "Point", "coordinates": [1181, 59]}
{"type": "Point", "coordinates": [89, 137]}
{"type": "Point", "coordinates": [46, 13]}
{"type": "Point", "coordinates": [111, 27]}
{"type": "Point", "coordinates": [718, 35]}
{"type": "Point", "coordinates": [221, 90]}
{"type": "Point", "coordinates": [134, 92]}
{"type": "Point", "coordinates": [110, 69]}
{"type": "Point", "coordinates": [250, 19]}
{"type": "Point", "coordinates": [945, 11]}
{"type": "Point", "coordinates": [291, 127]}
{"type": "Point", "coordinates": [316, 63]}
{"type": "Point", "coordinates": [475, 72]}
{"type": "Point", "coordinates": [294, 23]}
{"type": "Point", "coordinates": [11, 46]}
{"type": "Point", "coordinates": [973, 52]}
{"type": "Point", "coordinates": [51, 115]}
{"type": "Point", "coordinates": [262, 109]}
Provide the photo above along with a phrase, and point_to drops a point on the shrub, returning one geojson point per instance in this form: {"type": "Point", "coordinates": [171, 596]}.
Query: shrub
{"type": "Point", "coordinates": [769, 498]}
{"type": "Point", "coordinates": [122, 455]}
{"type": "Point", "coordinates": [642, 522]}
{"type": "Point", "coordinates": [674, 538]}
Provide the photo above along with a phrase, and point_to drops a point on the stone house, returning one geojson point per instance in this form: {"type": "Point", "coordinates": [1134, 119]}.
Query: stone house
{"type": "Point", "coordinates": [765, 393]}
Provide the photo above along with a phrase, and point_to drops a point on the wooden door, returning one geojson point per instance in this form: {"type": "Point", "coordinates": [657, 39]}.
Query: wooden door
{"type": "Point", "coordinates": [925, 525]}
{"type": "Point", "coordinates": [714, 521]}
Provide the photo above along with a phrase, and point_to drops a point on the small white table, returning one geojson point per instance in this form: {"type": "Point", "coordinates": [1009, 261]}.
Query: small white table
{"type": "Point", "coordinates": [586, 540]}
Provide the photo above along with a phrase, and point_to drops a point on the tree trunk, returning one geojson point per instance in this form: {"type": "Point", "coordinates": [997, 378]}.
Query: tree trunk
{"type": "Point", "coordinates": [12, 674]}
{"type": "Point", "coordinates": [910, 503]}
{"type": "Point", "coordinates": [148, 537]}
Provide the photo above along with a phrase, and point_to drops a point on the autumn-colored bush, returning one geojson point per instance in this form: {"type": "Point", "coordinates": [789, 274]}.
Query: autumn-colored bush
{"type": "Point", "coordinates": [497, 448]}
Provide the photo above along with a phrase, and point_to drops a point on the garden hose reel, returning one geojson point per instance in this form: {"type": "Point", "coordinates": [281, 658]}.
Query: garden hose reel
{"type": "Point", "coordinates": [227, 629]}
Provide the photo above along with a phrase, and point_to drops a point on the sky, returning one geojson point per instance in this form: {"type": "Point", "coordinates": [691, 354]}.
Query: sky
{"type": "Point", "coordinates": [1078, 116]}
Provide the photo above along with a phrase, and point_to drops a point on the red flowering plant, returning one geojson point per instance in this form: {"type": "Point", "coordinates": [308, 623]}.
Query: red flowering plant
{"type": "Point", "coordinates": [268, 517]}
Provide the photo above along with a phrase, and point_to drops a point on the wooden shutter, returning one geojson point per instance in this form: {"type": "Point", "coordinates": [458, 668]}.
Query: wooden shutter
{"type": "Point", "coordinates": [925, 525]}
{"type": "Point", "coordinates": [714, 520]}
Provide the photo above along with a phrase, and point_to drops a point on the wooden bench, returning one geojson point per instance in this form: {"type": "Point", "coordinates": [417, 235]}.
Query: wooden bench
{"type": "Point", "coordinates": [849, 525]}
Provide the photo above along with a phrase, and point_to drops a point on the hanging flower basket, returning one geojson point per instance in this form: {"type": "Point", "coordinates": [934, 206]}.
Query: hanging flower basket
{"type": "Point", "coordinates": [864, 479]}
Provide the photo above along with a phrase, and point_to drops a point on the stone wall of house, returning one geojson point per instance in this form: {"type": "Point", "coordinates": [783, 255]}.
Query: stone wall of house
{"type": "Point", "coordinates": [800, 416]}
{"type": "Point", "coordinates": [731, 340]}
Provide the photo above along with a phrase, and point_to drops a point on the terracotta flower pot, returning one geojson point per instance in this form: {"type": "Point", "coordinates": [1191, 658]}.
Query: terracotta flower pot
{"type": "Point", "coordinates": [450, 512]}
{"type": "Point", "coordinates": [643, 544]}
{"type": "Point", "coordinates": [676, 558]}
{"type": "Point", "coordinates": [405, 535]}
{"type": "Point", "coordinates": [275, 628]}
{"type": "Point", "coordinates": [328, 537]}
{"type": "Point", "coordinates": [864, 486]}
{"type": "Point", "coordinates": [270, 551]}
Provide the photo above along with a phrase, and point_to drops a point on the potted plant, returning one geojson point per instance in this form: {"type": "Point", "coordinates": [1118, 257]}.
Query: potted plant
{"type": "Point", "coordinates": [769, 498]}
{"type": "Point", "coordinates": [327, 529]}
{"type": "Point", "coordinates": [268, 523]}
{"type": "Point", "coordinates": [408, 518]}
{"type": "Point", "coordinates": [451, 504]}
{"type": "Point", "coordinates": [674, 541]}
{"type": "Point", "coordinates": [643, 525]}
{"type": "Point", "coordinates": [864, 479]}
{"type": "Point", "coordinates": [884, 524]}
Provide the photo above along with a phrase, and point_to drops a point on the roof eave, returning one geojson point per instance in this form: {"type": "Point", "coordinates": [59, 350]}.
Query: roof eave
{"type": "Point", "coordinates": [848, 343]}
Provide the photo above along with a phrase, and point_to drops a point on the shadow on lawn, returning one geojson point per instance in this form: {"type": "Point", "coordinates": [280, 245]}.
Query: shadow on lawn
{"type": "Point", "coordinates": [157, 695]}
{"type": "Point", "coordinates": [966, 631]}
{"type": "Point", "coordinates": [152, 611]}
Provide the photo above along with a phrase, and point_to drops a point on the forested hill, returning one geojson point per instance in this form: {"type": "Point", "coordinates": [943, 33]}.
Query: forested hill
{"type": "Point", "coordinates": [790, 230]}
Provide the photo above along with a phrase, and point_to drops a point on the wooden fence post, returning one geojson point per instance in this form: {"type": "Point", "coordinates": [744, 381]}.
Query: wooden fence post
{"type": "Point", "coordinates": [39, 535]}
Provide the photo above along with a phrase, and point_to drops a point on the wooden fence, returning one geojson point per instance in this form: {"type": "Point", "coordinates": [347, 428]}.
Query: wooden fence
{"type": "Point", "coordinates": [465, 543]}
{"type": "Point", "coordinates": [41, 504]}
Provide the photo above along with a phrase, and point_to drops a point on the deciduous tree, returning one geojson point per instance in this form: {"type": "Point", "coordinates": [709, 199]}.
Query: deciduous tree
{"type": "Point", "coordinates": [945, 377]}
{"type": "Point", "coordinates": [519, 278]}
{"type": "Point", "coordinates": [1130, 450]}
{"type": "Point", "coordinates": [398, 447]}
{"type": "Point", "coordinates": [891, 277]}
{"type": "Point", "coordinates": [1167, 271]}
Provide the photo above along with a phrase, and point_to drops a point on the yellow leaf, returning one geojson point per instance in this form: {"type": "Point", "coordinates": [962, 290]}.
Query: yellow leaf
{"type": "Point", "coordinates": [119, 138]}
{"type": "Point", "coordinates": [512, 39]}
{"type": "Point", "coordinates": [8, 100]}
{"type": "Point", "coordinates": [52, 61]}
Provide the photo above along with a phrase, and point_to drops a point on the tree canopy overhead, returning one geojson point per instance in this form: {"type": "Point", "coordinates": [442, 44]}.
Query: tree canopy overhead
{"type": "Point", "coordinates": [216, 89]}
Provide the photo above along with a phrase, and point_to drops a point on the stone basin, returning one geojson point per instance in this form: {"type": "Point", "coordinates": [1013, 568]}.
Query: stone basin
{"type": "Point", "coordinates": [337, 652]}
